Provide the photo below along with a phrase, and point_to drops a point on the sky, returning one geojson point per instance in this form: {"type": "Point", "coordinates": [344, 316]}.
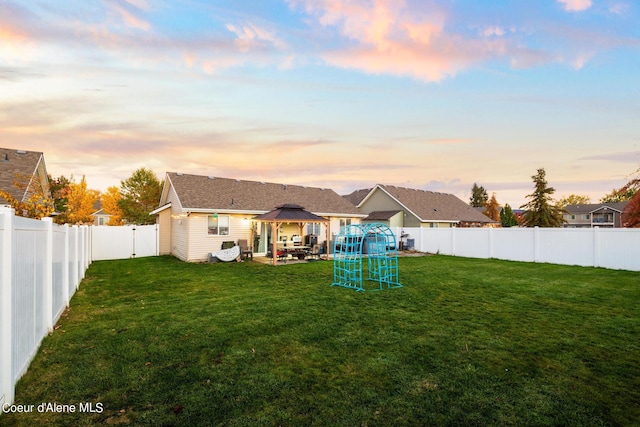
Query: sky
{"type": "Point", "coordinates": [342, 94]}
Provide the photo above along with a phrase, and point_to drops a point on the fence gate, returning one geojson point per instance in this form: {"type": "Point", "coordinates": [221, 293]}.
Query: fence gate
{"type": "Point", "coordinates": [129, 241]}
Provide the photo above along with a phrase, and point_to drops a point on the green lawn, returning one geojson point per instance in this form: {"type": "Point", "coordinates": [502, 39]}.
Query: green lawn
{"type": "Point", "coordinates": [155, 341]}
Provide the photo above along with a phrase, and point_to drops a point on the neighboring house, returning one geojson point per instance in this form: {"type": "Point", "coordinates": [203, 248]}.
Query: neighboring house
{"type": "Point", "coordinates": [198, 213]}
{"type": "Point", "coordinates": [605, 215]}
{"type": "Point", "coordinates": [27, 169]}
{"type": "Point", "coordinates": [408, 207]}
{"type": "Point", "coordinates": [100, 217]}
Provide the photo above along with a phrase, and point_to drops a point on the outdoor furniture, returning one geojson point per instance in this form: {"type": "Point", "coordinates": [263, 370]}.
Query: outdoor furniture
{"type": "Point", "coordinates": [315, 252]}
{"type": "Point", "coordinates": [245, 250]}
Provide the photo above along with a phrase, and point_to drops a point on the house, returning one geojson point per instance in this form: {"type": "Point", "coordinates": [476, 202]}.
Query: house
{"type": "Point", "coordinates": [408, 207]}
{"type": "Point", "coordinates": [100, 216]}
{"type": "Point", "coordinates": [198, 213]}
{"type": "Point", "coordinates": [23, 174]}
{"type": "Point", "coordinates": [606, 215]}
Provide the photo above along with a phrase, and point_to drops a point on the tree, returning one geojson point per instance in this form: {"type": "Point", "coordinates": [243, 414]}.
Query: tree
{"type": "Point", "coordinates": [493, 208]}
{"type": "Point", "coordinates": [109, 201]}
{"type": "Point", "coordinates": [38, 203]}
{"type": "Point", "coordinates": [507, 218]}
{"type": "Point", "coordinates": [631, 213]}
{"type": "Point", "coordinates": [140, 195]}
{"type": "Point", "coordinates": [80, 203]}
{"type": "Point", "coordinates": [59, 188]}
{"type": "Point", "coordinates": [626, 192]}
{"type": "Point", "coordinates": [540, 211]}
{"type": "Point", "coordinates": [479, 196]}
{"type": "Point", "coordinates": [574, 199]}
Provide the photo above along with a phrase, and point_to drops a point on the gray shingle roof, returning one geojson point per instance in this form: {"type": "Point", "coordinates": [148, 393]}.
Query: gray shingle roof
{"type": "Point", "coordinates": [588, 208]}
{"type": "Point", "coordinates": [214, 193]}
{"type": "Point", "coordinates": [13, 165]}
{"type": "Point", "coordinates": [433, 206]}
{"type": "Point", "coordinates": [381, 215]}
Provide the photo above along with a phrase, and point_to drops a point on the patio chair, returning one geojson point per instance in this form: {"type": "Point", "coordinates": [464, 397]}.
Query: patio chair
{"type": "Point", "coordinates": [245, 250]}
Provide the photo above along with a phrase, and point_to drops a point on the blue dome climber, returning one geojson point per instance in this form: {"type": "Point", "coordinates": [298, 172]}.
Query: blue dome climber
{"type": "Point", "coordinates": [374, 241]}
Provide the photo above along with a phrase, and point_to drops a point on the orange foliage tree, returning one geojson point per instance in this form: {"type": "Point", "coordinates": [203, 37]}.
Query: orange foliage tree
{"type": "Point", "coordinates": [80, 204]}
{"type": "Point", "coordinates": [110, 205]}
{"type": "Point", "coordinates": [492, 208]}
{"type": "Point", "coordinates": [38, 203]}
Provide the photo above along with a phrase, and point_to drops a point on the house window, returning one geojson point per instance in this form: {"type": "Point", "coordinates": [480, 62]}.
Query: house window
{"type": "Point", "coordinates": [434, 225]}
{"type": "Point", "coordinates": [313, 229]}
{"type": "Point", "coordinates": [586, 216]}
{"type": "Point", "coordinates": [345, 222]}
{"type": "Point", "coordinates": [573, 217]}
{"type": "Point", "coordinates": [218, 225]}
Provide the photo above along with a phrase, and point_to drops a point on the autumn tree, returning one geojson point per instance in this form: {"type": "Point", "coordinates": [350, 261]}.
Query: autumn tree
{"type": "Point", "coordinates": [507, 218]}
{"type": "Point", "coordinates": [80, 203]}
{"type": "Point", "coordinates": [59, 188]}
{"type": "Point", "coordinates": [109, 200]}
{"type": "Point", "coordinates": [541, 211]}
{"type": "Point", "coordinates": [631, 212]}
{"type": "Point", "coordinates": [492, 208]}
{"type": "Point", "coordinates": [573, 199]}
{"type": "Point", "coordinates": [37, 202]}
{"type": "Point", "coordinates": [479, 196]}
{"type": "Point", "coordinates": [140, 195]}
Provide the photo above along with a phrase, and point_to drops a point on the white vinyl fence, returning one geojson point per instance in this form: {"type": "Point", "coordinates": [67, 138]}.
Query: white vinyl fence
{"type": "Point", "coordinates": [130, 241]}
{"type": "Point", "coordinates": [615, 248]}
{"type": "Point", "coordinates": [41, 266]}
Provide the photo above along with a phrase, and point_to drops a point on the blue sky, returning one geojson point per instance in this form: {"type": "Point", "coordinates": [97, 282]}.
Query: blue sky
{"type": "Point", "coordinates": [428, 94]}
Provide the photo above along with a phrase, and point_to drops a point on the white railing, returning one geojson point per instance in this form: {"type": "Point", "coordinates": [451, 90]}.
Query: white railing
{"type": "Point", "coordinates": [615, 248]}
{"type": "Point", "coordinates": [41, 266]}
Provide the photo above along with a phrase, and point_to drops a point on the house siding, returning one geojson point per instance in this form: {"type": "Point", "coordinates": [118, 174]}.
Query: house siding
{"type": "Point", "coordinates": [380, 201]}
{"type": "Point", "coordinates": [178, 232]}
{"type": "Point", "coordinates": [164, 224]}
{"type": "Point", "coordinates": [201, 244]}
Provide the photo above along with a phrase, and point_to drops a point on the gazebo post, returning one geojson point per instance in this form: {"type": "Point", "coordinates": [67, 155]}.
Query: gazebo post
{"type": "Point", "coordinates": [274, 237]}
{"type": "Point", "coordinates": [328, 232]}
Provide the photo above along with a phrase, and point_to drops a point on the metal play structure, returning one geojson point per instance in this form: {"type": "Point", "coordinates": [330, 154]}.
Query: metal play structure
{"type": "Point", "coordinates": [377, 242]}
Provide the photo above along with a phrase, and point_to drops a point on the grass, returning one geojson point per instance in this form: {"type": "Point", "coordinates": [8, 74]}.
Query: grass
{"type": "Point", "coordinates": [156, 341]}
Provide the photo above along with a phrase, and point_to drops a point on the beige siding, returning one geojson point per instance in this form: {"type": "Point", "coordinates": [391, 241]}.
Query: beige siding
{"type": "Point", "coordinates": [164, 224]}
{"type": "Point", "coordinates": [201, 244]}
{"type": "Point", "coordinates": [437, 224]}
{"type": "Point", "coordinates": [178, 232]}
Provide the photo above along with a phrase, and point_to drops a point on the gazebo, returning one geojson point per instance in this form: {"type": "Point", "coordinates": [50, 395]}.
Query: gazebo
{"type": "Point", "coordinates": [290, 214]}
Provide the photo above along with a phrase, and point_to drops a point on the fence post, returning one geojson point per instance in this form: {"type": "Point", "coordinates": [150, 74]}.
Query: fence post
{"type": "Point", "coordinates": [596, 246]}
{"type": "Point", "coordinates": [65, 267]}
{"type": "Point", "coordinates": [48, 277]}
{"type": "Point", "coordinates": [453, 241]}
{"type": "Point", "coordinates": [490, 242]}
{"type": "Point", "coordinates": [6, 299]}
{"type": "Point", "coordinates": [536, 244]}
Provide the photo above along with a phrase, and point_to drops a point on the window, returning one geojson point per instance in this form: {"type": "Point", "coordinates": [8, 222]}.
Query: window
{"type": "Point", "coordinates": [313, 229]}
{"type": "Point", "coordinates": [573, 217]}
{"type": "Point", "coordinates": [218, 225]}
{"type": "Point", "coordinates": [434, 225]}
{"type": "Point", "coordinates": [586, 216]}
{"type": "Point", "coordinates": [345, 222]}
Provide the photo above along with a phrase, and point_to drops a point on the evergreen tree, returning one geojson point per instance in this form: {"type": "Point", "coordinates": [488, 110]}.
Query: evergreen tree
{"type": "Point", "coordinates": [140, 195]}
{"type": "Point", "coordinates": [479, 196]}
{"type": "Point", "coordinates": [507, 218]}
{"type": "Point", "coordinates": [541, 211]}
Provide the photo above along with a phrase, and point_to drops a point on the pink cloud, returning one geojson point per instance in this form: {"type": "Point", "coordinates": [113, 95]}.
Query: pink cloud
{"type": "Point", "coordinates": [130, 12]}
{"type": "Point", "coordinates": [576, 5]}
{"type": "Point", "coordinates": [390, 37]}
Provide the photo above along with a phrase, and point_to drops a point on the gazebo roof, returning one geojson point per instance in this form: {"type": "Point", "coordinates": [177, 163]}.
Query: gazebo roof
{"type": "Point", "coordinates": [290, 212]}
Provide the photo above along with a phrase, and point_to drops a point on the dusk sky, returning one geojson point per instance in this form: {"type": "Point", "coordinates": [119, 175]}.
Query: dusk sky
{"type": "Point", "coordinates": [427, 94]}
